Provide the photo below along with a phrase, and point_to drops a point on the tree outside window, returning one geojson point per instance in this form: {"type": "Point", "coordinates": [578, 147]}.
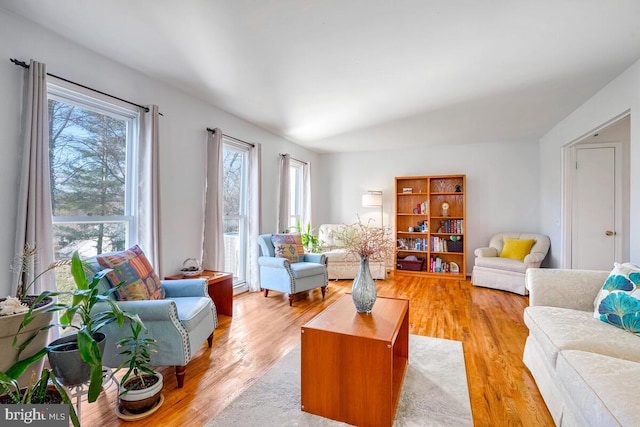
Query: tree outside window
{"type": "Point", "coordinates": [91, 152]}
{"type": "Point", "coordinates": [295, 194]}
{"type": "Point", "coordinates": [235, 193]}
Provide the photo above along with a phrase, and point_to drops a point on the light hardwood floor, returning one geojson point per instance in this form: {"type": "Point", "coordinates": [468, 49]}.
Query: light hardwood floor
{"type": "Point", "coordinates": [487, 321]}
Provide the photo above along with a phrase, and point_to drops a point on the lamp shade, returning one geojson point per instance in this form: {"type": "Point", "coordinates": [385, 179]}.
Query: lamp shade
{"type": "Point", "coordinates": [372, 199]}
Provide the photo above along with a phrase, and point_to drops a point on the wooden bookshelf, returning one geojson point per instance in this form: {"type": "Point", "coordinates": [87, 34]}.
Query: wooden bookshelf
{"type": "Point", "coordinates": [423, 229]}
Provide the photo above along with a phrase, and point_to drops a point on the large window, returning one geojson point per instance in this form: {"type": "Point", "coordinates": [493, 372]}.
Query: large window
{"type": "Point", "coordinates": [92, 148]}
{"type": "Point", "coordinates": [295, 193]}
{"type": "Point", "coordinates": [236, 161]}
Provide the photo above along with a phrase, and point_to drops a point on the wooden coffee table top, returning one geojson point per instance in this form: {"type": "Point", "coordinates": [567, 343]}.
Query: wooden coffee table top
{"type": "Point", "coordinates": [342, 318]}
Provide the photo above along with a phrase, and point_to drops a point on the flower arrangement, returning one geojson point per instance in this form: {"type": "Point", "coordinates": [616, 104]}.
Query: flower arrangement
{"type": "Point", "coordinates": [365, 241]}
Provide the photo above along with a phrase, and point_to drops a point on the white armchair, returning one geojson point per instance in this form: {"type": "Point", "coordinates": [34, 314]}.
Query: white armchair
{"type": "Point", "coordinates": [507, 274]}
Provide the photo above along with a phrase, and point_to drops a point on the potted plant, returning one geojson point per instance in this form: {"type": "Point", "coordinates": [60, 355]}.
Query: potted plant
{"type": "Point", "coordinates": [140, 386]}
{"type": "Point", "coordinates": [46, 390]}
{"type": "Point", "coordinates": [77, 358]}
{"type": "Point", "coordinates": [309, 241]}
{"type": "Point", "coordinates": [32, 338]}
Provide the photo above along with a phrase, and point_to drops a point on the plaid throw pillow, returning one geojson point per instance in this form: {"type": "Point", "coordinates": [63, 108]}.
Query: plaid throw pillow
{"type": "Point", "coordinates": [132, 268]}
{"type": "Point", "coordinates": [288, 246]}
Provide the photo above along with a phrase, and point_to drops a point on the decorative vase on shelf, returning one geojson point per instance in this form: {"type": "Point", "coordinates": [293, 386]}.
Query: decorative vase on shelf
{"type": "Point", "coordinates": [364, 290]}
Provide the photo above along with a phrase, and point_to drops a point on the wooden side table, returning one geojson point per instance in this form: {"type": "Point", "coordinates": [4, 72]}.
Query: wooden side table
{"type": "Point", "coordinates": [353, 364]}
{"type": "Point", "coordinates": [220, 288]}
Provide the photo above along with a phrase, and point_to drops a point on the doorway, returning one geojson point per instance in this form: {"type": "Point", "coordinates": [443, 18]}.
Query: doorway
{"type": "Point", "coordinates": [596, 198]}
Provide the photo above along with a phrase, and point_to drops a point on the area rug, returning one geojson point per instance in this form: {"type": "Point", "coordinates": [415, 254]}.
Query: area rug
{"type": "Point", "coordinates": [434, 392]}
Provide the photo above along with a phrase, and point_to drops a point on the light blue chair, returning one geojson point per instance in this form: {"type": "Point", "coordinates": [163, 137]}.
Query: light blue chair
{"type": "Point", "coordinates": [180, 323]}
{"type": "Point", "coordinates": [279, 274]}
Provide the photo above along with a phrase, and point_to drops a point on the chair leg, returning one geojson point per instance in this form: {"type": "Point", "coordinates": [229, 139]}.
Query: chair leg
{"type": "Point", "coordinates": [323, 289]}
{"type": "Point", "coordinates": [266, 292]}
{"type": "Point", "coordinates": [210, 340]}
{"type": "Point", "coordinates": [290, 300]}
{"type": "Point", "coordinates": [180, 373]}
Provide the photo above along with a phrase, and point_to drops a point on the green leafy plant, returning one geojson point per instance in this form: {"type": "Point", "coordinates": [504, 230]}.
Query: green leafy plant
{"type": "Point", "coordinates": [138, 355]}
{"type": "Point", "coordinates": [309, 241]}
{"type": "Point", "coordinates": [37, 391]}
{"type": "Point", "coordinates": [81, 314]}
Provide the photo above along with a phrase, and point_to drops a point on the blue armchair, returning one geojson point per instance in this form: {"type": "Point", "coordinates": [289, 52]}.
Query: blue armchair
{"type": "Point", "coordinates": [279, 274]}
{"type": "Point", "coordinates": [180, 322]}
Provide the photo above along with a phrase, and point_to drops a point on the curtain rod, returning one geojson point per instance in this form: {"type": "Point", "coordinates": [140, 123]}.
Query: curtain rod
{"type": "Point", "coordinates": [293, 158]}
{"type": "Point", "coordinates": [231, 137]}
{"type": "Point", "coordinates": [25, 65]}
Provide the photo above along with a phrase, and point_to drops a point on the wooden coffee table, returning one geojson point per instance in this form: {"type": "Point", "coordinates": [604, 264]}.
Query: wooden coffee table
{"type": "Point", "coordinates": [353, 364]}
{"type": "Point", "coordinates": [220, 288]}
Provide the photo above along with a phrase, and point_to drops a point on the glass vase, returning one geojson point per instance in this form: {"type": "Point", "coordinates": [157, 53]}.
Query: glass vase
{"type": "Point", "coordinates": [364, 291]}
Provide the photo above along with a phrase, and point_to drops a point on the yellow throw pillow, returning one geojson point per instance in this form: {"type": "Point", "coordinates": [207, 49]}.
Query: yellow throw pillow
{"type": "Point", "coordinates": [516, 248]}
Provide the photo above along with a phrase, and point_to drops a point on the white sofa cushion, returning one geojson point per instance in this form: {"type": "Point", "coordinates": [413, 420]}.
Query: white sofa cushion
{"type": "Point", "coordinates": [504, 264]}
{"type": "Point", "coordinates": [341, 255]}
{"type": "Point", "coordinates": [557, 329]}
{"type": "Point", "coordinates": [603, 389]}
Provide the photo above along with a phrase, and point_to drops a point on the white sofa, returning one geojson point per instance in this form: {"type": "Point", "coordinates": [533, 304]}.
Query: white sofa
{"type": "Point", "coordinates": [587, 370]}
{"type": "Point", "coordinates": [340, 263]}
{"type": "Point", "coordinates": [506, 274]}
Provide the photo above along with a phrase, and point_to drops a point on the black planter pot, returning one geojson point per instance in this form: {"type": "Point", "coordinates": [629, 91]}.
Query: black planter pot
{"type": "Point", "coordinates": [65, 361]}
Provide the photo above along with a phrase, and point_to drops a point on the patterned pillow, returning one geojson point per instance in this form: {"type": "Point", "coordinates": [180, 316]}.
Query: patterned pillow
{"type": "Point", "coordinates": [133, 268]}
{"type": "Point", "coordinates": [618, 302]}
{"type": "Point", "coordinates": [288, 246]}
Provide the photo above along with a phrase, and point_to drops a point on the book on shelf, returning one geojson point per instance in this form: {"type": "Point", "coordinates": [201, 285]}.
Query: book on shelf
{"type": "Point", "coordinates": [441, 244]}
{"type": "Point", "coordinates": [453, 226]}
{"type": "Point", "coordinates": [413, 244]}
{"type": "Point", "coordinates": [437, 265]}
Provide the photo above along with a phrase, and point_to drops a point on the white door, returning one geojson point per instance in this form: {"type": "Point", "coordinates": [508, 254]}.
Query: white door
{"type": "Point", "coordinates": [593, 223]}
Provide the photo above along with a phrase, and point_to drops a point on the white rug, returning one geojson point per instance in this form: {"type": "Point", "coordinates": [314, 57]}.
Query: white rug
{"type": "Point", "coordinates": [434, 392]}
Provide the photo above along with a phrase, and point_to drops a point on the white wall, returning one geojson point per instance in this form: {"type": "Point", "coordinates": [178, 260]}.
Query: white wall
{"type": "Point", "coordinates": [620, 95]}
{"type": "Point", "coordinates": [502, 185]}
{"type": "Point", "coordinates": [182, 132]}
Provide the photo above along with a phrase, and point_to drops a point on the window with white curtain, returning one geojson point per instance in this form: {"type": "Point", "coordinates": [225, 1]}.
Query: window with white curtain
{"type": "Point", "coordinates": [296, 189]}
{"type": "Point", "coordinates": [235, 203]}
{"type": "Point", "coordinates": [93, 144]}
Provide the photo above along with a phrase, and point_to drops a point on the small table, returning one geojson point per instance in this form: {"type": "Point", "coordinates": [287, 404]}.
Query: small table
{"type": "Point", "coordinates": [220, 288]}
{"type": "Point", "coordinates": [353, 364]}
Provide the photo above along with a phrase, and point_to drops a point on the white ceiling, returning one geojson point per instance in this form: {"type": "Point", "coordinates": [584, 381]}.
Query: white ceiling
{"type": "Point", "coordinates": [351, 75]}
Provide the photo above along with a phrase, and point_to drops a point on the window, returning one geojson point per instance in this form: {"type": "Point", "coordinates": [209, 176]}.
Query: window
{"type": "Point", "coordinates": [92, 149]}
{"type": "Point", "coordinates": [235, 202]}
{"type": "Point", "coordinates": [296, 169]}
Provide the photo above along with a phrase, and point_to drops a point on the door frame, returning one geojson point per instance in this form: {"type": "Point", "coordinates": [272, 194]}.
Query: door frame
{"type": "Point", "coordinates": [568, 167]}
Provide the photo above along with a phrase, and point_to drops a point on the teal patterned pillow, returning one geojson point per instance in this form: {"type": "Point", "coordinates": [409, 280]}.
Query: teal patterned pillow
{"type": "Point", "coordinates": [618, 302]}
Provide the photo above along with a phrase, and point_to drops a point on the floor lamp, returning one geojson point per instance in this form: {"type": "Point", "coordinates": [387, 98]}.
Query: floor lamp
{"type": "Point", "coordinates": [373, 198]}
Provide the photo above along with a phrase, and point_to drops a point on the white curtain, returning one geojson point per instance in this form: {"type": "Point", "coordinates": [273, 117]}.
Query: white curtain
{"type": "Point", "coordinates": [306, 195]}
{"type": "Point", "coordinates": [255, 195]}
{"type": "Point", "coordinates": [284, 208]}
{"type": "Point", "coordinates": [34, 210]}
{"type": "Point", "coordinates": [213, 240]}
{"type": "Point", "coordinates": [148, 217]}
